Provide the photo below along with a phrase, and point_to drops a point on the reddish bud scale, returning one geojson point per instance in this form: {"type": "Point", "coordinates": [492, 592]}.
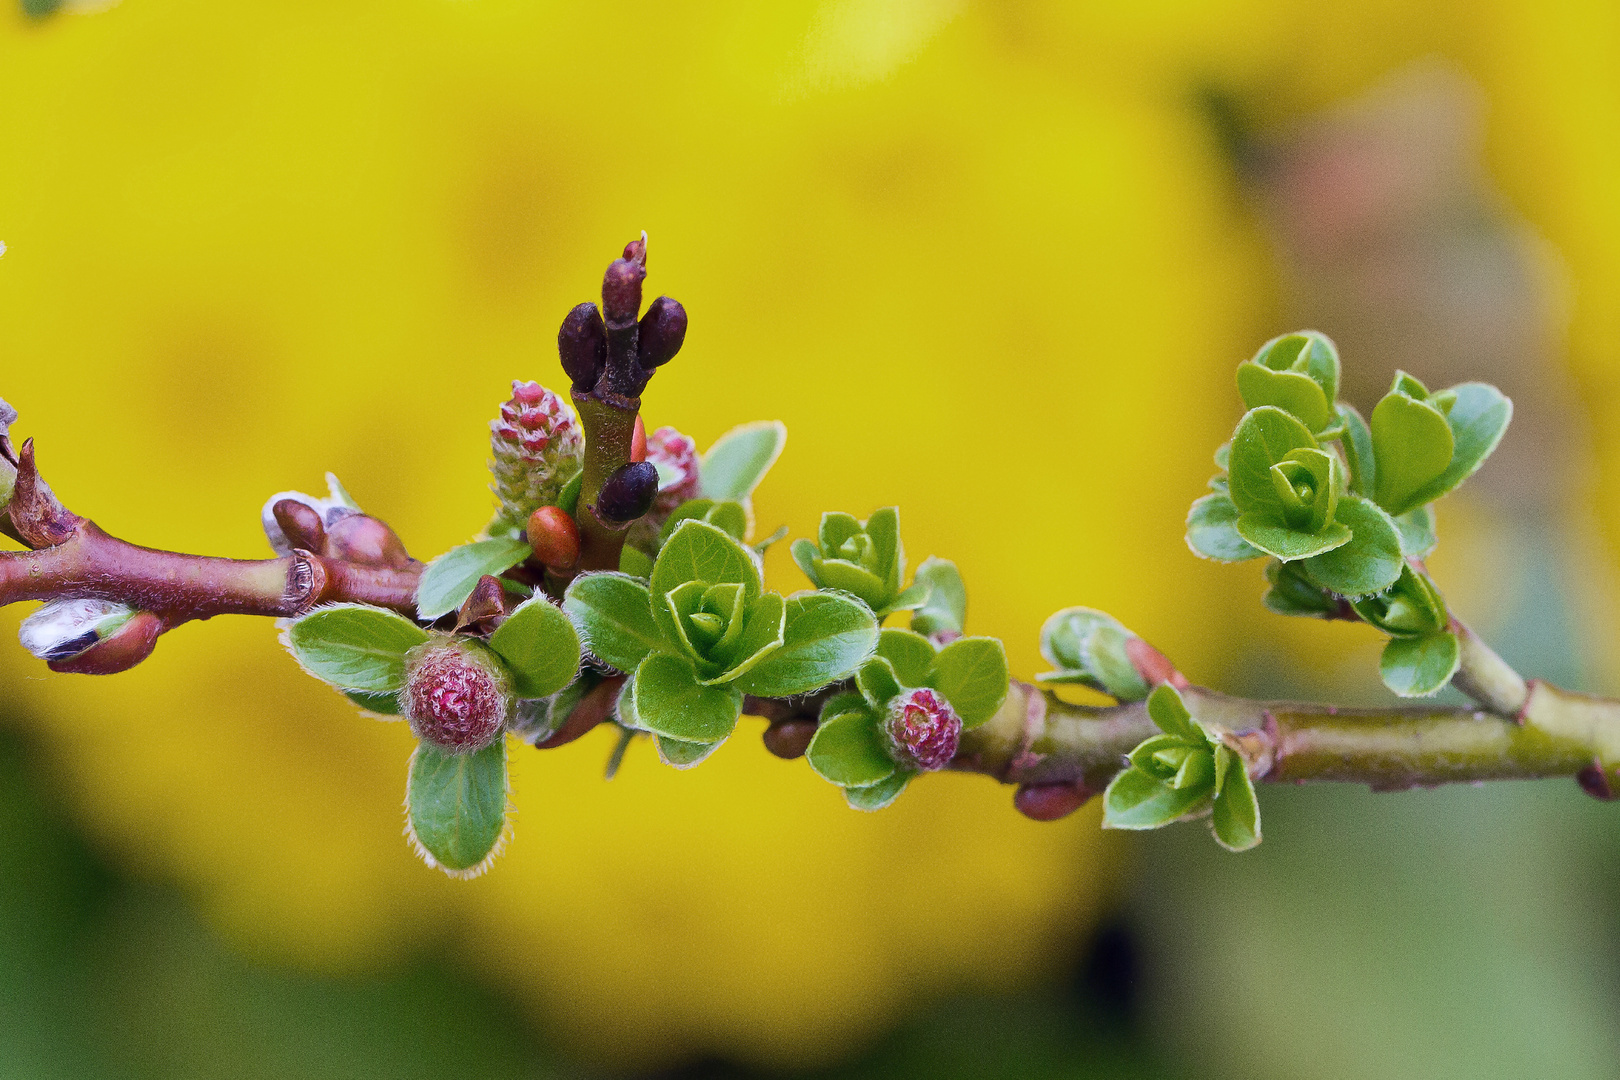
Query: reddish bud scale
{"type": "Point", "coordinates": [922, 730]}
{"type": "Point", "coordinates": [536, 445]}
{"type": "Point", "coordinates": [554, 537]}
{"type": "Point", "coordinates": [454, 699]}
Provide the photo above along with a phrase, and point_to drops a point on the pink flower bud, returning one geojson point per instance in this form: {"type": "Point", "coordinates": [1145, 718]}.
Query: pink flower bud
{"type": "Point", "coordinates": [456, 696]}
{"type": "Point", "coordinates": [677, 454]}
{"type": "Point", "coordinates": [536, 445]}
{"type": "Point", "coordinates": [922, 730]}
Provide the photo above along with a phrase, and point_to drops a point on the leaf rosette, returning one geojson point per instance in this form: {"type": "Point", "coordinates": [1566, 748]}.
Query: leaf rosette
{"type": "Point", "coordinates": [1185, 772]}
{"type": "Point", "coordinates": [1091, 648]}
{"type": "Point", "coordinates": [863, 558]}
{"type": "Point", "coordinates": [912, 701]}
{"type": "Point", "coordinates": [1423, 652]}
{"type": "Point", "coordinates": [701, 632]}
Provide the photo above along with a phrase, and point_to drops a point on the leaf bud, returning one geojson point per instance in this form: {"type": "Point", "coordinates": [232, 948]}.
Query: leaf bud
{"type": "Point", "coordinates": [536, 448]}
{"type": "Point", "coordinates": [367, 541]}
{"type": "Point", "coordinates": [457, 695]}
{"type": "Point", "coordinates": [1049, 802]}
{"type": "Point", "coordinates": [326, 513]}
{"type": "Point", "coordinates": [582, 346]}
{"type": "Point", "coordinates": [628, 493]}
{"type": "Point", "coordinates": [301, 524]}
{"type": "Point", "coordinates": [554, 537]}
{"type": "Point", "coordinates": [922, 730]}
{"type": "Point", "coordinates": [64, 632]}
{"type": "Point", "coordinates": [621, 287]}
{"type": "Point", "coordinates": [790, 738]}
{"type": "Point", "coordinates": [663, 331]}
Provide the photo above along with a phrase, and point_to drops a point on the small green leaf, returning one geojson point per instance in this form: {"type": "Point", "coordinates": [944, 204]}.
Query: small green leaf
{"type": "Point", "coordinates": [855, 580]}
{"type": "Point", "coordinates": [698, 551]}
{"type": "Point", "coordinates": [1291, 391]}
{"type": "Point", "coordinates": [670, 701]}
{"type": "Point", "coordinates": [449, 579]}
{"type": "Point", "coordinates": [540, 647]}
{"type": "Point", "coordinates": [456, 805]}
{"type": "Point", "coordinates": [1136, 800]}
{"type": "Point", "coordinates": [354, 646]}
{"type": "Point", "coordinates": [635, 562]}
{"type": "Point", "coordinates": [1169, 714]}
{"type": "Point", "coordinates": [1264, 437]}
{"type": "Point", "coordinates": [1370, 562]}
{"type": "Point", "coordinates": [1412, 446]}
{"type": "Point", "coordinates": [1412, 607]}
{"type": "Point", "coordinates": [848, 750]}
{"type": "Point", "coordinates": [1419, 666]}
{"type": "Point", "coordinates": [1289, 544]}
{"type": "Point", "coordinates": [877, 796]}
{"type": "Point", "coordinates": [1358, 450]}
{"type": "Point", "coordinates": [763, 634]}
{"type": "Point", "coordinates": [1212, 531]}
{"type": "Point", "coordinates": [1236, 817]}
{"type": "Point", "coordinates": [1292, 593]}
{"type": "Point", "coordinates": [884, 529]}
{"type": "Point", "coordinates": [568, 497]}
{"type": "Point", "coordinates": [740, 458]}
{"type": "Point", "coordinates": [1091, 648]}
{"type": "Point", "coordinates": [1478, 419]}
{"type": "Point", "coordinates": [876, 681]}
{"type": "Point", "coordinates": [684, 755]}
{"type": "Point", "coordinates": [379, 703]}
{"type": "Point", "coordinates": [972, 674]}
{"type": "Point", "coordinates": [909, 599]}
{"type": "Point", "coordinates": [946, 606]}
{"type": "Point", "coordinates": [1418, 538]}
{"type": "Point", "coordinates": [729, 516]}
{"type": "Point", "coordinates": [825, 638]}
{"type": "Point", "coordinates": [1307, 352]}
{"type": "Point", "coordinates": [613, 615]}
{"type": "Point", "coordinates": [910, 654]}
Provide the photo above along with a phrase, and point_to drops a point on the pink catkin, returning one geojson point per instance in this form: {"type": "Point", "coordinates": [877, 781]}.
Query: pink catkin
{"type": "Point", "coordinates": [923, 730]}
{"type": "Point", "coordinates": [454, 702]}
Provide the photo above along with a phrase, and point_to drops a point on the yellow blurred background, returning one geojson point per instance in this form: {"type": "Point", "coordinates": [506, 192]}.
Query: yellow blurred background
{"type": "Point", "coordinates": [991, 262]}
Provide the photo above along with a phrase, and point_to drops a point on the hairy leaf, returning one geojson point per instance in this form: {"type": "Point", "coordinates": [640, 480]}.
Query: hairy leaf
{"type": "Point", "coordinates": [450, 579]}
{"type": "Point", "coordinates": [354, 646]}
{"type": "Point", "coordinates": [457, 806]}
{"type": "Point", "coordinates": [540, 647]}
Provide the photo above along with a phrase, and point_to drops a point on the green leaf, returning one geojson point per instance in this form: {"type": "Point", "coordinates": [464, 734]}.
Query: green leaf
{"type": "Point", "coordinates": [729, 516]}
{"type": "Point", "coordinates": [855, 580]}
{"type": "Point", "coordinates": [457, 806]}
{"type": "Point", "coordinates": [740, 458]}
{"type": "Point", "coordinates": [1212, 531]}
{"type": "Point", "coordinates": [1169, 714]}
{"type": "Point", "coordinates": [1358, 450]}
{"type": "Point", "coordinates": [1107, 658]}
{"type": "Point", "coordinates": [613, 615]}
{"type": "Point", "coordinates": [1418, 538]}
{"type": "Point", "coordinates": [1090, 647]}
{"type": "Point", "coordinates": [684, 755]}
{"type": "Point", "coordinates": [1478, 419]}
{"type": "Point", "coordinates": [1370, 562]}
{"type": "Point", "coordinates": [763, 635]}
{"type": "Point", "coordinates": [909, 653]}
{"type": "Point", "coordinates": [972, 674]}
{"type": "Point", "coordinates": [540, 647]}
{"type": "Point", "coordinates": [848, 750]}
{"type": "Point", "coordinates": [354, 646]}
{"type": "Point", "coordinates": [670, 701]}
{"type": "Point", "coordinates": [1264, 437]}
{"type": "Point", "coordinates": [690, 510]}
{"type": "Point", "coordinates": [1136, 800]}
{"type": "Point", "coordinates": [1235, 820]}
{"type": "Point", "coordinates": [1291, 391]}
{"type": "Point", "coordinates": [877, 796]}
{"type": "Point", "coordinates": [698, 551]}
{"type": "Point", "coordinates": [1419, 666]}
{"type": "Point", "coordinates": [825, 638]}
{"type": "Point", "coordinates": [1292, 593]}
{"type": "Point", "coordinates": [805, 553]}
{"type": "Point", "coordinates": [1412, 446]}
{"type": "Point", "coordinates": [635, 562]}
{"type": "Point", "coordinates": [1289, 544]}
{"type": "Point", "coordinates": [373, 702]}
{"type": "Point", "coordinates": [1307, 352]}
{"type": "Point", "coordinates": [449, 579]}
{"type": "Point", "coordinates": [568, 497]}
{"type": "Point", "coordinates": [946, 606]}
{"type": "Point", "coordinates": [884, 529]}
{"type": "Point", "coordinates": [909, 599]}
{"type": "Point", "coordinates": [876, 681]}
{"type": "Point", "coordinates": [1412, 607]}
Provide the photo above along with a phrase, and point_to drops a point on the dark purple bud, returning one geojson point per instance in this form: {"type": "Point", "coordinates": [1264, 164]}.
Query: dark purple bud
{"type": "Point", "coordinates": [789, 739]}
{"type": "Point", "coordinates": [663, 330]}
{"type": "Point", "coordinates": [621, 286]}
{"type": "Point", "coordinates": [300, 524]}
{"type": "Point", "coordinates": [628, 493]}
{"type": "Point", "coordinates": [1595, 782]}
{"type": "Point", "coordinates": [582, 346]}
{"type": "Point", "coordinates": [1049, 802]}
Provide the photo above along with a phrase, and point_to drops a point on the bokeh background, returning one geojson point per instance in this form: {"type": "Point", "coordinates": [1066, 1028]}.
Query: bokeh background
{"type": "Point", "coordinates": [993, 262]}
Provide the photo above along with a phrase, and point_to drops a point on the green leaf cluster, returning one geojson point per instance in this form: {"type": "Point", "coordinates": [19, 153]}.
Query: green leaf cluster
{"type": "Point", "coordinates": [701, 632]}
{"type": "Point", "coordinates": [1423, 652]}
{"type": "Point", "coordinates": [850, 748]}
{"type": "Point", "coordinates": [1187, 771]}
{"type": "Point", "coordinates": [862, 558]}
{"type": "Point", "coordinates": [1090, 648]}
{"type": "Point", "coordinates": [455, 803]}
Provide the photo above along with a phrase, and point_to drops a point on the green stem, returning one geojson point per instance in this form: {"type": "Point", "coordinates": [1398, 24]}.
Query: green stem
{"type": "Point", "coordinates": [1486, 677]}
{"type": "Point", "coordinates": [610, 427]}
{"type": "Point", "coordinates": [1037, 739]}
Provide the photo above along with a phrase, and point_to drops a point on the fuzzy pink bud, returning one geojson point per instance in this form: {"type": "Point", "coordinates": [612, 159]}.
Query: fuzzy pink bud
{"type": "Point", "coordinates": [678, 455]}
{"type": "Point", "coordinates": [536, 445]}
{"type": "Point", "coordinates": [456, 697]}
{"type": "Point", "coordinates": [922, 730]}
